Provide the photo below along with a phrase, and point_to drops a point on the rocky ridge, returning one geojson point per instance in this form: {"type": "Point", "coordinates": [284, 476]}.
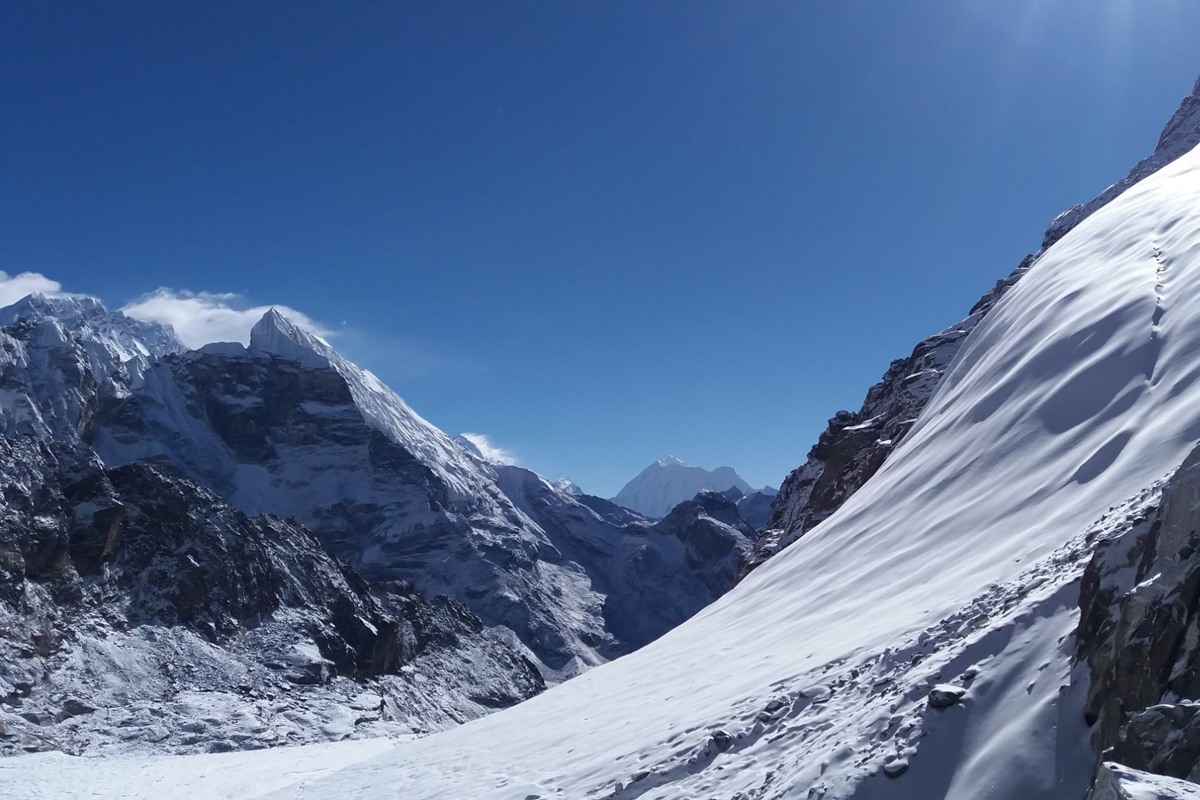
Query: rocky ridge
{"type": "Point", "coordinates": [138, 610]}
{"type": "Point", "coordinates": [1139, 637]}
{"type": "Point", "coordinates": [477, 579]}
{"type": "Point", "coordinates": [856, 444]}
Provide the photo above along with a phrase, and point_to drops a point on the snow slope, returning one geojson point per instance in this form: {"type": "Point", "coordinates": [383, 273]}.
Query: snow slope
{"type": "Point", "coordinates": [668, 482]}
{"type": "Point", "coordinates": [1077, 392]}
{"type": "Point", "coordinates": [201, 777]}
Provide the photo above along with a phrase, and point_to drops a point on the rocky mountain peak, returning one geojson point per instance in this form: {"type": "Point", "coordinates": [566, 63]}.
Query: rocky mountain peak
{"type": "Point", "coordinates": [277, 335]}
{"type": "Point", "coordinates": [1179, 136]}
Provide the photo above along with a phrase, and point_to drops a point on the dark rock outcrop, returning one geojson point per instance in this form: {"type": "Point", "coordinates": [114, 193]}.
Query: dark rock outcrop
{"type": "Point", "coordinates": [1139, 635]}
{"type": "Point", "coordinates": [90, 556]}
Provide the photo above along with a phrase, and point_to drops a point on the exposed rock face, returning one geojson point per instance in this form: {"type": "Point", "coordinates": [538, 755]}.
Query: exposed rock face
{"type": "Point", "coordinates": [856, 444]}
{"type": "Point", "coordinates": [1139, 634]}
{"type": "Point", "coordinates": [287, 427]}
{"type": "Point", "coordinates": [1116, 782]}
{"type": "Point", "coordinates": [648, 577]}
{"type": "Point", "coordinates": [755, 508]}
{"type": "Point", "coordinates": [134, 590]}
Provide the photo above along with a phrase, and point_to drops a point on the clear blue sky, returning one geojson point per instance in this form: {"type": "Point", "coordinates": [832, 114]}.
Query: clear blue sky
{"type": "Point", "coordinates": [599, 233]}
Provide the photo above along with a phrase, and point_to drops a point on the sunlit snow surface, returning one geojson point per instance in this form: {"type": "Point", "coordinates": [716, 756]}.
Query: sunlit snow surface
{"type": "Point", "coordinates": [1074, 395]}
{"type": "Point", "coordinates": [244, 775]}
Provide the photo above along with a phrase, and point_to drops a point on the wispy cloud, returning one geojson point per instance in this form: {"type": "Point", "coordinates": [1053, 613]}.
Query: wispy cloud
{"type": "Point", "coordinates": [14, 287]}
{"type": "Point", "coordinates": [489, 450]}
{"type": "Point", "coordinates": [200, 318]}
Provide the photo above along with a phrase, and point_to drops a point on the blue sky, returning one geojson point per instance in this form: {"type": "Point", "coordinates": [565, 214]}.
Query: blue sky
{"type": "Point", "coordinates": [599, 233]}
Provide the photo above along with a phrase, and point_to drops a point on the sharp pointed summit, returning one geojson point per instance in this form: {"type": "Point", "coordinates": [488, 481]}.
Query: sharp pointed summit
{"type": "Point", "coordinates": [279, 336]}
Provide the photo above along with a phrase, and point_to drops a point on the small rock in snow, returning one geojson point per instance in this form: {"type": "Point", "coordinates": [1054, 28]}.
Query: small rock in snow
{"type": "Point", "coordinates": [945, 695]}
{"type": "Point", "coordinates": [722, 741]}
{"type": "Point", "coordinates": [896, 767]}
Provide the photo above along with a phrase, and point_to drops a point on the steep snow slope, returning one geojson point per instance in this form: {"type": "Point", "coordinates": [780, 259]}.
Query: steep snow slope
{"type": "Point", "coordinates": [1078, 392]}
{"type": "Point", "coordinates": [668, 482]}
{"type": "Point", "coordinates": [855, 445]}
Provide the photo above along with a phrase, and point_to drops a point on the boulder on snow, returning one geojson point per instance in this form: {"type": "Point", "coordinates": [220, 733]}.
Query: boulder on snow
{"type": "Point", "coordinates": [895, 767]}
{"type": "Point", "coordinates": [73, 707]}
{"type": "Point", "coordinates": [945, 695]}
{"type": "Point", "coordinates": [1116, 782]}
{"type": "Point", "coordinates": [722, 741]}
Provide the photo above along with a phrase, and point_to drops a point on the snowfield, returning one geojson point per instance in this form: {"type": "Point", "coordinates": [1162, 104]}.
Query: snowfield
{"type": "Point", "coordinates": [958, 563]}
{"type": "Point", "coordinates": [245, 775]}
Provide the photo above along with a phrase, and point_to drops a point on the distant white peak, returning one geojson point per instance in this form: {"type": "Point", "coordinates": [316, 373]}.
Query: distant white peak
{"type": "Point", "coordinates": [277, 335]}
{"type": "Point", "coordinates": [567, 486]}
{"type": "Point", "coordinates": [66, 308]}
{"type": "Point", "coordinates": [668, 482]}
{"type": "Point", "coordinates": [133, 341]}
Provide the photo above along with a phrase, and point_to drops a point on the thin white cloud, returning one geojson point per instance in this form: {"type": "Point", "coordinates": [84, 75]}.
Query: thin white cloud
{"type": "Point", "coordinates": [200, 318]}
{"type": "Point", "coordinates": [488, 450]}
{"type": "Point", "coordinates": [14, 287]}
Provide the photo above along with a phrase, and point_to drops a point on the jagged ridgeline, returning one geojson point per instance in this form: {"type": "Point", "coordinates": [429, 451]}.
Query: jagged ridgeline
{"type": "Point", "coordinates": [399, 581]}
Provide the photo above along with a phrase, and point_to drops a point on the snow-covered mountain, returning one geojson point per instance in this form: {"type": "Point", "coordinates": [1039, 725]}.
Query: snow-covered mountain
{"type": "Point", "coordinates": [287, 427]}
{"type": "Point", "coordinates": [668, 482]}
{"type": "Point", "coordinates": [1008, 594]}
{"type": "Point", "coordinates": [920, 641]}
{"type": "Point", "coordinates": [984, 585]}
{"type": "Point", "coordinates": [568, 486]}
{"type": "Point", "coordinates": [140, 612]}
{"type": "Point", "coordinates": [50, 377]}
{"type": "Point", "coordinates": [755, 508]}
{"type": "Point", "coordinates": [855, 445]}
